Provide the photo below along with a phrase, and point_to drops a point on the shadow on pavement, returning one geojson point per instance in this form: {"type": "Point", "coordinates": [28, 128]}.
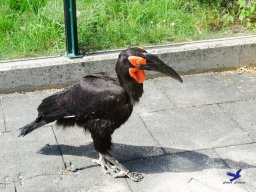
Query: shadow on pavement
{"type": "Point", "coordinates": [187, 161]}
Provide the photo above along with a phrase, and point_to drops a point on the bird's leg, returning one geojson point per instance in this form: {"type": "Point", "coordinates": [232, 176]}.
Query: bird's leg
{"type": "Point", "coordinates": [104, 164]}
{"type": "Point", "coordinates": [115, 168]}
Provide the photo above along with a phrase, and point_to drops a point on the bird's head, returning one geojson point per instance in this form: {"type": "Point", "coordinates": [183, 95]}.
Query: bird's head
{"type": "Point", "coordinates": [133, 61]}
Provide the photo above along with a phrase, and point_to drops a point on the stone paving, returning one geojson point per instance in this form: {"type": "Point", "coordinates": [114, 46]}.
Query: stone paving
{"type": "Point", "coordinates": [181, 137]}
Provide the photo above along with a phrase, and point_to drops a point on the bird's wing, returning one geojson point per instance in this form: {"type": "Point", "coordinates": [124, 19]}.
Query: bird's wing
{"type": "Point", "coordinates": [94, 95]}
{"type": "Point", "coordinates": [231, 174]}
{"type": "Point", "coordinates": [238, 172]}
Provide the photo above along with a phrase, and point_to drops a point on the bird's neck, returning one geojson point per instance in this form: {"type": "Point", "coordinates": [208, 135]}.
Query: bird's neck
{"type": "Point", "coordinates": [133, 89]}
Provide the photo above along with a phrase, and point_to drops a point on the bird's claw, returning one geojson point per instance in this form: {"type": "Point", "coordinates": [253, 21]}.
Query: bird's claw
{"type": "Point", "coordinates": [135, 176]}
{"type": "Point", "coordinates": [116, 171]}
{"type": "Point", "coordinates": [132, 175]}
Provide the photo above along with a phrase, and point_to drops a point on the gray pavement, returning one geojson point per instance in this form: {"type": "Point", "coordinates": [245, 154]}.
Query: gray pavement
{"type": "Point", "coordinates": [181, 137]}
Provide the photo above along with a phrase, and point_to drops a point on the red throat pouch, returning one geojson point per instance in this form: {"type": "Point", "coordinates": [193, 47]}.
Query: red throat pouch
{"type": "Point", "coordinates": [138, 75]}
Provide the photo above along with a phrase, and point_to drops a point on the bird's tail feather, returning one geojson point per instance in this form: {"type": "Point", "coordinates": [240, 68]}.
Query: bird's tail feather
{"type": "Point", "coordinates": [31, 127]}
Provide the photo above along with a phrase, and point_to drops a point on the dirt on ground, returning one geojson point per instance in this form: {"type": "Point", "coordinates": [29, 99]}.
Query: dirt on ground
{"type": "Point", "coordinates": [248, 69]}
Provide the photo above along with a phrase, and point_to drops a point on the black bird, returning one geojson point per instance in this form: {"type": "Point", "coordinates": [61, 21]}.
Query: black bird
{"type": "Point", "coordinates": [101, 104]}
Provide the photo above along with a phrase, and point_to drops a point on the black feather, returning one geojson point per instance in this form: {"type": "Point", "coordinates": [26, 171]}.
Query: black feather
{"type": "Point", "coordinates": [66, 122]}
{"type": "Point", "coordinates": [50, 109]}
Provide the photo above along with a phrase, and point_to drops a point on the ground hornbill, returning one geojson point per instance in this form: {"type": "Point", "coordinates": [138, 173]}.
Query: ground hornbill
{"type": "Point", "coordinates": [101, 104]}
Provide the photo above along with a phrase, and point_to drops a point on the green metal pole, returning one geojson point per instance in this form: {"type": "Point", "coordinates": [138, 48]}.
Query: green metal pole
{"type": "Point", "coordinates": [71, 29]}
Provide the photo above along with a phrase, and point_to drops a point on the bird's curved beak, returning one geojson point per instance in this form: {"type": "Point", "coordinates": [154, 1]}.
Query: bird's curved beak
{"type": "Point", "coordinates": [153, 63]}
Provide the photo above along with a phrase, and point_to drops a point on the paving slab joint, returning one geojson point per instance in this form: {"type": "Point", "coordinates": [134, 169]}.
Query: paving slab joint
{"type": "Point", "coordinates": [225, 146]}
{"type": "Point", "coordinates": [152, 135]}
{"type": "Point", "coordinates": [233, 120]}
{"type": "Point", "coordinates": [35, 176]}
{"type": "Point", "coordinates": [176, 107]}
{"type": "Point", "coordinates": [55, 137]}
{"type": "Point", "coordinates": [223, 161]}
{"type": "Point", "coordinates": [15, 188]}
{"type": "Point", "coordinates": [130, 188]}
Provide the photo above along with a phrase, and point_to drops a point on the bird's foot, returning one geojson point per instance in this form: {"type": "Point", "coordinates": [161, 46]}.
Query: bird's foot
{"type": "Point", "coordinates": [135, 176]}
{"type": "Point", "coordinates": [105, 165]}
{"type": "Point", "coordinates": [111, 166]}
{"type": "Point", "coordinates": [132, 175]}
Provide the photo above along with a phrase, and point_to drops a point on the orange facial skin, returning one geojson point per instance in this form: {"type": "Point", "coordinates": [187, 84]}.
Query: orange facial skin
{"type": "Point", "coordinates": [138, 75]}
{"type": "Point", "coordinates": [136, 61]}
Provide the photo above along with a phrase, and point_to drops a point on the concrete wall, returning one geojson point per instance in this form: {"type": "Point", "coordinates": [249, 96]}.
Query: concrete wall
{"type": "Point", "coordinates": [193, 57]}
